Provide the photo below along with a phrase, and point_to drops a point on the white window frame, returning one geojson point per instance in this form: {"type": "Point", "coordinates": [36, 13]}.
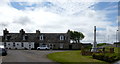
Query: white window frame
{"type": "Point", "coordinates": [6, 37]}
{"type": "Point", "coordinates": [61, 37]}
{"type": "Point", "coordinates": [41, 37]}
{"type": "Point", "coordinates": [24, 37]}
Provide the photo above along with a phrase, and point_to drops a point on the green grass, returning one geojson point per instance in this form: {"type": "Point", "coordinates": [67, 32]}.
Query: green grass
{"type": "Point", "coordinates": [73, 57]}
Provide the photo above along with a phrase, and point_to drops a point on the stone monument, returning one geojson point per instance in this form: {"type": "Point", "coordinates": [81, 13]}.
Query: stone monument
{"type": "Point", "coordinates": [94, 46]}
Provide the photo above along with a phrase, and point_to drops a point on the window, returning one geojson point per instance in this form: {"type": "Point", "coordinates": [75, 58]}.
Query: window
{"type": "Point", "coordinates": [25, 37]}
{"type": "Point", "coordinates": [8, 44]}
{"type": "Point", "coordinates": [14, 44]}
{"type": "Point", "coordinates": [7, 37]}
{"type": "Point", "coordinates": [5, 44]}
{"type": "Point", "coordinates": [22, 44]}
{"type": "Point", "coordinates": [61, 37]}
{"type": "Point", "coordinates": [41, 37]}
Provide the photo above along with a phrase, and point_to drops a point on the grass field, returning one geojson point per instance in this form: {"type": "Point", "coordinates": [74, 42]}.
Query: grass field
{"type": "Point", "coordinates": [73, 57]}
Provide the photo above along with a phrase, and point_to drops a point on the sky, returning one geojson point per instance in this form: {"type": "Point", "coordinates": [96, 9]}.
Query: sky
{"type": "Point", "coordinates": [55, 16]}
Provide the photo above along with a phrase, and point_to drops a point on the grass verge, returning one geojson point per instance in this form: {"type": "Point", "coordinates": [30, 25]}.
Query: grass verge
{"type": "Point", "coordinates": [73, 57]}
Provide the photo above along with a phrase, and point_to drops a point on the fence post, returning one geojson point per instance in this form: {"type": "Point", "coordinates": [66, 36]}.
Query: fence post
{"type": "Point", "coordinates": [111, 50]}
{"type": "Point", "coordinates": [103, 50]}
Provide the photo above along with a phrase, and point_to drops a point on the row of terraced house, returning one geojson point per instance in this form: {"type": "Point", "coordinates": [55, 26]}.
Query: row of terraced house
{"type": "Point", "coordinates": [23, 40]}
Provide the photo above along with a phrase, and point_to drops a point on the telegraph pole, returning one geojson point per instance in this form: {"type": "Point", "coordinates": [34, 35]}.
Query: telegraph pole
{"type": "Point", "coordinates": [116, 36]}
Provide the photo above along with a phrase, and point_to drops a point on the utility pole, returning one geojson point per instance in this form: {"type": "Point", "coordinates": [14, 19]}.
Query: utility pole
{"type": "Point", "coordinates": [116, 35]}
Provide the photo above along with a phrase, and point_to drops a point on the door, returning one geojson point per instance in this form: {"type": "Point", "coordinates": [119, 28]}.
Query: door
{"type": "Point", "coordinates": [36, 45]}
{"type": "Point", "coordinates": [70, 47]}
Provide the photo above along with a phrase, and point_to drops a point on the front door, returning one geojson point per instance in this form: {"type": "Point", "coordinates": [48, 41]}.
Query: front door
{"type": "Point", "coordinates": [70, 47]}
{"type": "Point", "coordinates": [36, 45]}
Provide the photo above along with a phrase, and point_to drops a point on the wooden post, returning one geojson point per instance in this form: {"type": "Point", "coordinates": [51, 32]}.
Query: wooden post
{"type": "Point", "coordinates": [103, 50]}
{"type": "Point", "coordinates": [111, 50]}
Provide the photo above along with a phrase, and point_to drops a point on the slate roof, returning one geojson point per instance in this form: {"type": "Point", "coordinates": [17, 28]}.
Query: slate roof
{"type": "Point", "coordinates": [0, 38]}
{"type": "Point", "coordinates": [35, 37]}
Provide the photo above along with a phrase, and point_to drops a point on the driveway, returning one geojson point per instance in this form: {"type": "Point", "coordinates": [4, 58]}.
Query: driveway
{"type": "Point", "coordinates": [28, 56]}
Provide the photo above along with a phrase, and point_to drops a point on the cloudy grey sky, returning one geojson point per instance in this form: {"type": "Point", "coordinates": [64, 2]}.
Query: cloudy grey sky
{"type": "Point", "coordinates": [59, 16]}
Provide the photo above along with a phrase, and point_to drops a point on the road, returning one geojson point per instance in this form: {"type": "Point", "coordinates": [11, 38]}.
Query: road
{"type": "Point", "coordinates": [24, 56]}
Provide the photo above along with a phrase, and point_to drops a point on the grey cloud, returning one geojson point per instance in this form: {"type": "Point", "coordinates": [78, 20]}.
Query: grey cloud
{"type": "Point", "coordinates": [28, 30]}
{"type": "Point", "coordinates": [4, 24]}
{"type": "Point", "coordinates": [22, 20]}
{"type": "Point", "coordinates": [52, 26]}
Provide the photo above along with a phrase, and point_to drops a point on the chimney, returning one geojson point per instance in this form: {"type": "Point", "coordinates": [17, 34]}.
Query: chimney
{"type": "Point", "coordinates": [5, 31]}
{"type": "Point", "coordinates": [37, 32]}
{"type": "Point", "coordinates": [22, 32]}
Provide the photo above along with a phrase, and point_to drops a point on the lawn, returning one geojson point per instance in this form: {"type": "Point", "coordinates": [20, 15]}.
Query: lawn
{"type": "Point", "coordinates": [73, 57]}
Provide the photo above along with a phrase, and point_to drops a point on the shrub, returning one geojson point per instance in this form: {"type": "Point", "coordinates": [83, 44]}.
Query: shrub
{"type": "Point", "coordinates": [108, 57]}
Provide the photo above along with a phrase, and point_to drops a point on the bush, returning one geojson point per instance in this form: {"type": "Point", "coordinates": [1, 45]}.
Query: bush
{"type": "Point", "coordinates": [108, 57]}
{"type": "Point", "coordinates": [98, 56]}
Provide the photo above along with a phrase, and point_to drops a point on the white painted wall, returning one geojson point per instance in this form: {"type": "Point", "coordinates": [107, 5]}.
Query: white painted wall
{"type": "Point", "coordinates": [1, 43]}
{"type": "Point", "coordinates": [9, 45]}
{"type": "Point", "coordinates": [28, 45]}
{"type": "Point", "coordinates": [18, 45]}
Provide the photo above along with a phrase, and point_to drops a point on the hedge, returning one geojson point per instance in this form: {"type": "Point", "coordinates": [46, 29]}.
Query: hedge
{"type": "Point", "coordinates": [108, 57]}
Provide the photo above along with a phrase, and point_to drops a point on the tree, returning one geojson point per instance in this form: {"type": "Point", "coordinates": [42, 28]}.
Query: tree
{"type": "Point", "coordinates": [76, 36]}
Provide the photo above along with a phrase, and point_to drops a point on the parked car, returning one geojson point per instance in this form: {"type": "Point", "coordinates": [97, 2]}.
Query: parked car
{"type": "Point", "coordinates": [44, 47]}
{"type": "Point", "coordinates": [3, 51]}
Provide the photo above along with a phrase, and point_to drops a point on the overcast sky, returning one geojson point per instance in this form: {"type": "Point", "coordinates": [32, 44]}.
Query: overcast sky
{"type": "Point", "coordinates": [59, 16]}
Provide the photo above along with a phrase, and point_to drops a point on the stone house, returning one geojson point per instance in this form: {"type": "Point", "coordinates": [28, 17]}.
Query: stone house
{"type": "Point", "coordinates": [0, 40]}
{"type": "Point", "coordinates": [24, 40]}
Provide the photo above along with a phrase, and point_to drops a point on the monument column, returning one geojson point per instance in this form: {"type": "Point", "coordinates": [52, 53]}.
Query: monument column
{"type": "Point", "coordinates": [94, 46]}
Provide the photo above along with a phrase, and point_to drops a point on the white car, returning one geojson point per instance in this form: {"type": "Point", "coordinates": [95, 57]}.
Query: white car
{"type": "Point", "coordinates": [44, 47]}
